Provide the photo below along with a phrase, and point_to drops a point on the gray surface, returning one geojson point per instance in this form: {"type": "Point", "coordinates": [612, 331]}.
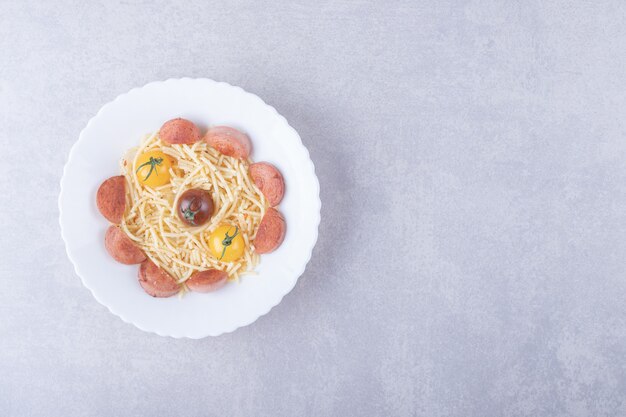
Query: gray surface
{"type": "Point", "coordinates": [472, 161]}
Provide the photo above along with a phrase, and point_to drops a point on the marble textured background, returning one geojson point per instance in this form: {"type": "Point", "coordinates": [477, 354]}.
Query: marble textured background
{"type": "Point", "coordinates": [472, 252]}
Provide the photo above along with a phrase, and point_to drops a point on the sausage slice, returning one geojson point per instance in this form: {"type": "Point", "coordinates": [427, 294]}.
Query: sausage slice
{"type": "Point", "coordinates": [121, 247]}
{"type": "Point", "coordinates": [111, 198]}
{"type": "Point", "coordinates": [179, 131]}
{"type": "Point", "coordinates": [269, 180]}
{"type": "Point", "coordinates": [207, 281]}
{"type": "Point", "coordinates": [229, 141]}
{"type": "Point", "coordinates": [271, 232]}
{"type": "Point", "coordinates": [155, 281]}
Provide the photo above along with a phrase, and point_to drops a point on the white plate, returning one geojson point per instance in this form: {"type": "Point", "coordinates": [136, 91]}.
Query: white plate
{"type": "Point", "coordinates": [118, 126]}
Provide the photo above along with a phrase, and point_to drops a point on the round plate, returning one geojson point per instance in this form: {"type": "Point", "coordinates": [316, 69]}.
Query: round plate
{"type": "Point", "coordinates": [120, 125]}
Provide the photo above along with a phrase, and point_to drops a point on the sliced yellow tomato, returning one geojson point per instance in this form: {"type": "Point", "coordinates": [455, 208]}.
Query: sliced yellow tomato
{"type": "Point", "coordinates": [153, 168]}
{"type": "Point", "coordinates": [226, 243]}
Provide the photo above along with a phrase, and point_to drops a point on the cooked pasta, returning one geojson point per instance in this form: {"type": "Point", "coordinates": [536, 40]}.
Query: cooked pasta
{"type": "Point", "coordinates": [150, 218]}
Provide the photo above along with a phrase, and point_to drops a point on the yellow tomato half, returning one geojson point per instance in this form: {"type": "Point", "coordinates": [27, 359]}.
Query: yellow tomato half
{"type": "Point", "coordinates": [226, 243]}
{"type": "Point", "coordinates": [153, 168]}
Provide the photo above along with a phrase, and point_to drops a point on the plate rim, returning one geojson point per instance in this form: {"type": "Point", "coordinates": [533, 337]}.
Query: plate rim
{"type": "Point", "coordinates": [316, 198]}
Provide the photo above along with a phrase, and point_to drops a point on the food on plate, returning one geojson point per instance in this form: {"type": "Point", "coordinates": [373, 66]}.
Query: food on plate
{"type": "Point", "coordinates": [271, 232]}
{"type": "Point", "coordinates": [178, 131]}
{"type": "Point", "coordinates": [153, 168]}
{"type": "Point", "coordinates": [207, 281]}
{"type": "Point", "coordinates": [195, 207]}
{"type": "Point", "coordinates": [269, 180]}
{"type": "Point", "coordinates": [226, 243]}
{"type": "Point", "coordinates": [111, 198]}
{"type": "Point", "coordinates": [195, 213]}
{"type": "Point", "coordinates": [155, 281]}
{"type": "Point", "coordinates": [229, 141]}
{"type": "Point", "coordinates": [121, 247]}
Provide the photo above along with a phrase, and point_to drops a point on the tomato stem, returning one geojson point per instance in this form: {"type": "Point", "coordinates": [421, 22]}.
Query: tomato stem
{"type": "Point", "coordinates": [228, 240]}
{"type": "Point", "coordinates": [153, 162]}
{"type": "Point", "coordinates": [190, 214]}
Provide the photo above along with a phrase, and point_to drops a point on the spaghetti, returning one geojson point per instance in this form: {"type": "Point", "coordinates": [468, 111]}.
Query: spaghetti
{"type": "Point", "coordinates": [150, 218]}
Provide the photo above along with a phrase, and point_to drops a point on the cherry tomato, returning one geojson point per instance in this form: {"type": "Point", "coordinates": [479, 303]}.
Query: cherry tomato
{"type": "Point", "coordinates": [226, 243]}
{"type": "Point", "coordinates": [153, 168]}
{"type": "Point", "coordinates": [195, 207]}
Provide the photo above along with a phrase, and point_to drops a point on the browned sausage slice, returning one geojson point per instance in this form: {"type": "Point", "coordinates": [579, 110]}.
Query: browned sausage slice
{"type": "Point", "coordinates": [207, 281]}
{"type": "Point", "coordinates": [229, 141]}
{"type": "Point", "coordinates": [271, 232]}
{"type": "Point", "coordinates": [121, 247]}
{"type": "Point", "coordinates": [269, 180]}
{"type": "Point", "coordinates": [155, 281]}
{"type": "Point", "coordinates": [179, 131]}
{"type": "Point", "coordinates": [111, 198]}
